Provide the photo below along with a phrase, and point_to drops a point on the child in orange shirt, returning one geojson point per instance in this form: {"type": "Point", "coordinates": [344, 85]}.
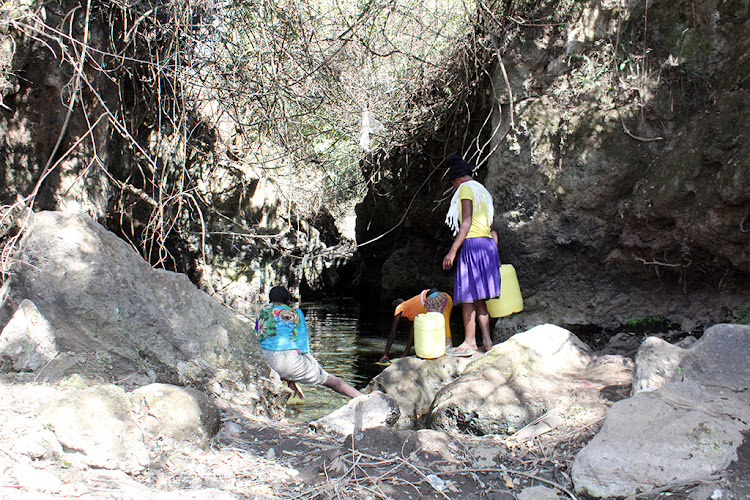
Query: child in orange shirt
{"type": "Point", "coordinates": [428, 301]}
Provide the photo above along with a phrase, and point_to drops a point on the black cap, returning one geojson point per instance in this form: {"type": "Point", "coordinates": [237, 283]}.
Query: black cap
{"type": "Point", "coordinates": [279, 294]}
{"type": "Point", "coordinates": [457, 167]}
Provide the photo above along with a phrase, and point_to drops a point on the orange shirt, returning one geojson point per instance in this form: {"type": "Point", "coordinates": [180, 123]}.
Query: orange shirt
{"type": "Point", "coordinates": [411, 308]}
{"type": "Point", "coordinates": [416, 305]}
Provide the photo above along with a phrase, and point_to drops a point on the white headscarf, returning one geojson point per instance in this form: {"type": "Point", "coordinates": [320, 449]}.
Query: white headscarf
{"type": "Point", "coordinates": [481, 196]}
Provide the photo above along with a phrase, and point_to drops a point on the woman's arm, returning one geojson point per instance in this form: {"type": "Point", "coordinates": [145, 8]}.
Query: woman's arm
{"type": "Point", "coordinates": [493, 233]}
{"type": "Point", "coordinates": [494, 237]}
{"type": "Point", "coordinates": [467, 210]}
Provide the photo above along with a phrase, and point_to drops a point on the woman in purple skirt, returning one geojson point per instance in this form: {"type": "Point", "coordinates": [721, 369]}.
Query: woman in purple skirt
{"type": "Point", "coordinates": [470, 216]}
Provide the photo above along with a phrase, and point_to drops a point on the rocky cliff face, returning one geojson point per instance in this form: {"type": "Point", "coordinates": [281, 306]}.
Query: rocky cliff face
{"type": "Point", "coordinates": [617, 156]}
{"type": "Point", "coordinates": [618, 168]}
{"type": "Point", "coordinates": [98, 141]}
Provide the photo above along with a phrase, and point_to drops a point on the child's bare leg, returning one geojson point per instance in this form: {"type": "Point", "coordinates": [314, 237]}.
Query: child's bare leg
{"type": "Point", "coordinates": [341, 387]}
{"type": "Point", "coordinates": [296, 389]}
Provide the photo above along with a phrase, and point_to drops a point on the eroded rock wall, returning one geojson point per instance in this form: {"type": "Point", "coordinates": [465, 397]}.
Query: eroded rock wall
{"type": "Point", "coordinates": [619, 172]}
{"type": "Point", "coordinates": [89, 142]}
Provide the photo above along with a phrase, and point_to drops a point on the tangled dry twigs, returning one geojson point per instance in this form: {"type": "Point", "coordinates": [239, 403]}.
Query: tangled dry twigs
{"type": "Point", "coordinates": [191, 87]}
{"type": "Point", "coordinates": [175, 104]}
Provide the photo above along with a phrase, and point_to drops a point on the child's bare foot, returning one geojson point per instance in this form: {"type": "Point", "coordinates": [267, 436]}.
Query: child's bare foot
{"type": "Point", "coordinates": [297, 390]}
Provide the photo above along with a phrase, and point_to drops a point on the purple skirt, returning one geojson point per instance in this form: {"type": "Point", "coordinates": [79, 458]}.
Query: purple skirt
{"type": "Point", "coordinates": [477, 271]}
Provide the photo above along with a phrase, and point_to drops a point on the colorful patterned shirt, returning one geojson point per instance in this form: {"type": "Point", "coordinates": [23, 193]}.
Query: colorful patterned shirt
{"type": "Point", "coordinates": [282, 328]}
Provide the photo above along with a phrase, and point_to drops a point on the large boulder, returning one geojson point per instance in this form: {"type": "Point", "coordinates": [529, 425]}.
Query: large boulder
{"type": "Point", "coordinates": [103, 426]}
{"type": "Point", "coordinates": [685, 422]}
{"type": "Point", "coordinates": [659, 363]}
{"type": "Point", "coordinates": [95, 426]}
{"type": "Point", "coordinates": [679, 432]}
{"type": "Point", "coordinates": [113, 317]}
{"type": "Point", "coordinates": [413, 383]}
{"type": "Point", "coordinates": [174, 414]}
{"type": "Point", "coordinates": [546, 371]}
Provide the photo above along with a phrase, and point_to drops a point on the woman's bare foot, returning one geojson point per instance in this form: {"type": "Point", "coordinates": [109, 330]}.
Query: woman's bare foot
{"type": "Point", "coordinates": [466, 348]}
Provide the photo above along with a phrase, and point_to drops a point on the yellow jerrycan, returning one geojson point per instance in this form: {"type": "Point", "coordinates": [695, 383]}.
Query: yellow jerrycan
{"type": "Point", "coordinates": [429, 335]}
{"type": "Point", "coordinates": [510, 300]}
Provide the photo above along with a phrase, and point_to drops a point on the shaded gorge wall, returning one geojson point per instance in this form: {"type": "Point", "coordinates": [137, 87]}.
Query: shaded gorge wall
{"type": "Point", "coordinates": [618, 164]}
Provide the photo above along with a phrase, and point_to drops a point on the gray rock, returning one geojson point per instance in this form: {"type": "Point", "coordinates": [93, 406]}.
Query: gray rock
{"type": "Point", "coordinates": [124, 321]}
{"type": "Point", "coordinates": [175, 414]}
{"type": "Point", "coordinates": [27, 342]}
{"type": "Point", "coordinates": [546, 370]}
{"type": "Point", "coordinates": [40, 444]}
{"type": "Point", "coordinates": [678, 432]}
{"type": "Point", "coordinates": [656, 364]}
{"type": "Point", "coordinates": [718, 361]}
{"type": "Point", "coordinates": [413, 383]}
{"type": "Point", "coordinates": [94, 425]}
{"type": "Point", "coordinates": [363, 412]}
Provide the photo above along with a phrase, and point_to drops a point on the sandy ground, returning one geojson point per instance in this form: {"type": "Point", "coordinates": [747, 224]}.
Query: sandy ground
{"type": "Point", "coordinates": [260, 459]}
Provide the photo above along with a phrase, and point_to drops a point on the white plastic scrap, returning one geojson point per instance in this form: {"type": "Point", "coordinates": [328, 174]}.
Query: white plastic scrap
{"type": "Point", "coordinates": [436, 482]}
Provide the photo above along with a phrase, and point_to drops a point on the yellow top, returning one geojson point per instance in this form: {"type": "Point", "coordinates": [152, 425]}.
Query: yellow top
{"type": "Point", "coordinates": [480, 219]}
